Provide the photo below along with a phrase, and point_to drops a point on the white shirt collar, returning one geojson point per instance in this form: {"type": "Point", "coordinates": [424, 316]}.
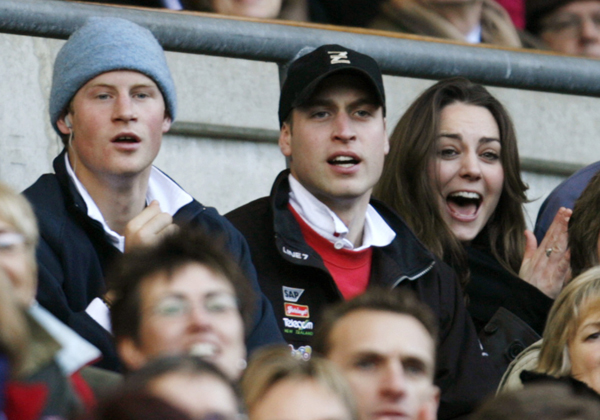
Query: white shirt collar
{"type": "Point", "coordinates": [75, 352]}
{"type": "Point", "coordinates": [160, 187]}
{"type": "Point", "coordinates": [327, 224]}
{"type": "Point", "coordinates": [172, 4]}
{"type": "Point", "coordinates": [474, 37]}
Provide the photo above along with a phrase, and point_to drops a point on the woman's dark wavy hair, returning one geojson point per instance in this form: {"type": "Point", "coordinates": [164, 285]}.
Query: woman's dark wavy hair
{"type": "Point", "coordinates": [406, 187]}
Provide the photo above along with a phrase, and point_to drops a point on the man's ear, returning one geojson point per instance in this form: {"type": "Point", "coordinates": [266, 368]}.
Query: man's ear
{"type": "Point", "coordinates": [130, 354]}
{"type": "Point", "coordinates": [285, 140]}
{"type": "Point", "coordinates": [166, 125]}
{"type": "Point", "coordinates": [63, 126]}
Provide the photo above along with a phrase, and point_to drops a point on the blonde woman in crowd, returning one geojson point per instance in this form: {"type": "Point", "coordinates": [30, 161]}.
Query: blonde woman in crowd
{"type": "Point", "coordinates": [48, 358]}
{"type": "Point", "coordinates": [571, 346]}
{"type": "Point", "coordinates": [570, 349]}
{"type": "Point", "coordinates": [584, 234]}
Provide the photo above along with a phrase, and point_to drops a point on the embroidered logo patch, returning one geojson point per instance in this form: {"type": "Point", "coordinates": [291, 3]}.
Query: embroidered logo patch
{"type": "Point", "coordinates": [291, 294]}
{"type": "Point", "coordinates": [296, 311]}
{"type": "Point", "coordinates": [297, 327]}
{"type": "Point", "coordinates": [338, 57]}
{"type": "Point", "coordinates": [294, 254]}
{"type": "Point", "coordinates": [301, 325]}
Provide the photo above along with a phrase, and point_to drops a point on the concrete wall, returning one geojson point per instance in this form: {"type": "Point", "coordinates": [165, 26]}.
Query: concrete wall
{"type": "Point", "coordinates": [240, 93]}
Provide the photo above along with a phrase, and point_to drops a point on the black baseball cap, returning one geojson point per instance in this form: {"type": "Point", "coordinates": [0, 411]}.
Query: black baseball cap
{"type": "Point", "coordinates": [305, 73]}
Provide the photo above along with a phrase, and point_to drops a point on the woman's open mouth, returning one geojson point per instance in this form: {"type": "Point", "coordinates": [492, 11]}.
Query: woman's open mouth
{"type": "Point", "coordinates": [464, 205]}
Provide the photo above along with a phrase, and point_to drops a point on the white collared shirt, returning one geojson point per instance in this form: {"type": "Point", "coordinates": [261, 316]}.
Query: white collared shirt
{"type": "Point", "coordinates": [172, 4]}
{"type": "Point", "coordinates": [171, 198]}
{"type": "Point", "coordinates": [75, 352]}
{"type": "Point", "coordinates": [160, 188]}
{"type": "Point", "coordinates": [474, 37]}
{"type": "Point", "coordinates": [327, 224]}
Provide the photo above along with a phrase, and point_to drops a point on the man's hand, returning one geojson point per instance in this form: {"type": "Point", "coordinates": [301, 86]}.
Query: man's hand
{"type": "Point", "coordinates": [547, 267]}
{"type": "Point", "coordinates": [148, 227]}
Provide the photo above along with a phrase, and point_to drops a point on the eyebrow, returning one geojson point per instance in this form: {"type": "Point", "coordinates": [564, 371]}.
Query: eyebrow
{"type": "Point", "coordinates": [171, 295]}
{"type": "Point", "coordinates": [375, 354]}
{"type": "Point", "coordinates": [367, 353]}
{"type": "Point", "coordinates": [457, 136]}
{"type": "Point", "coordinates": [111, 86]}
{"type": "Point", "coordinates": [210, 294]}
{"type": "Point", "coordinates": [595, 324]}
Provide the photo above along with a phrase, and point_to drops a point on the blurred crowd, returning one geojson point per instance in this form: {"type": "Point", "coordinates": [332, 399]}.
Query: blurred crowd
{"type": "Point", "coordinates": [564, 26]}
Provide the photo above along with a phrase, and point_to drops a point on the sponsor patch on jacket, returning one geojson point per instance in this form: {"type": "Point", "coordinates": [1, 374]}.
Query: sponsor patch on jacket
{"type": "Point", "coordinates": [296, 311]}
{"type": "Point", "coordinates": [303, 352]}
{"type": "Point", "coordinates": [291, 294]}
{"type": "Point", "coordinates": [295, 254]}
{"type": "Point", "coordinates": [297, 327]}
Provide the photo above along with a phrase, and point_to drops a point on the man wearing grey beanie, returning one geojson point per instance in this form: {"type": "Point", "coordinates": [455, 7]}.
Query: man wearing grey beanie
{"type": "Point", "coordinates": [112, 99]}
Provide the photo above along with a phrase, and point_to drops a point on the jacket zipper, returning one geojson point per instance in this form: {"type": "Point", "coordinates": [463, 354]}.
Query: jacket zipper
{"type": "Point", "coordinates": [416, 276]}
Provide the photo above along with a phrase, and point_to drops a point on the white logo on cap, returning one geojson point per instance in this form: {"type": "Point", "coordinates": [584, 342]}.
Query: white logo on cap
{"type": "Point", "coordinates": [339, 57]}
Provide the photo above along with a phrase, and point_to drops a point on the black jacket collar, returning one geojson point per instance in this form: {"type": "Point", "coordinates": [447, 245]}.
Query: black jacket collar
{"type": "Point", "coordinates": [407, 253]}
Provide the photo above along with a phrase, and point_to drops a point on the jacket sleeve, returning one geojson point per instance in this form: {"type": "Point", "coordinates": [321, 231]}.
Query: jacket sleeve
{"type": "Point", "coordinates": [564, 195]}
{"type": "Point", "coordinates": [52, 294]}
{"type": "Point", "coordinates": [557, 199]}
{"type": "Point", "coordinates": [463, 373]}
{"type": "Point", "coordinates": [509, 313]}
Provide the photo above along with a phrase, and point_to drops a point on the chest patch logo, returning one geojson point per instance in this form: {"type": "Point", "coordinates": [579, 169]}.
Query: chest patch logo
{"type": "Point", "coordinates": [296, 311]}
{"type": "Point", "coordinates": [338, 57]}
{"type": "Point", "coordinates": [299, 325]}
{"type": "Point", "coordinates": [291, 294]}
{"type": "Point", "coordinates": [294, 254]}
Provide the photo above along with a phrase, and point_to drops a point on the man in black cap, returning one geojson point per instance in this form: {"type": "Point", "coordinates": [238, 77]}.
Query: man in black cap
{"type": "Point", "coordinates": [566, 26]}
{"type": "Point", "coordinates": [319, 238]}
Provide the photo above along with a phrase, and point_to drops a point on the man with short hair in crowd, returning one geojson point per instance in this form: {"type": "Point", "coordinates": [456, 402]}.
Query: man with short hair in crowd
{"type": "Point", "coordinates": [566, 26]}
{"type": "Point", "coordinates": [319, 238]}
{"type": "Point", "coordinates": [385, 344]}
{"type": "Point", "coordinates": [112, 99]}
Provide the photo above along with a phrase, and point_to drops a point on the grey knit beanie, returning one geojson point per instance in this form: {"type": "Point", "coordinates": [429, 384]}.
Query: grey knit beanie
{"type": "Point", "coordinates": [102, 45]}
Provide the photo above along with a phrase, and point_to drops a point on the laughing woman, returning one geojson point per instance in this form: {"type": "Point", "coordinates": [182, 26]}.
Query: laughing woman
{"type": "Point", "coordinates": [453, 173]}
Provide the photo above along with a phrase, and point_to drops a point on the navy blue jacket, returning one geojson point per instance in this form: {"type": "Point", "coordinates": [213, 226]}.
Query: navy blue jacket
{"type": "Point", "coordinates": [564, 195]}
{"type": "Point", "coordinates": [74, 253]}
{"type": "Point", "coordinates": [291, 273]}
